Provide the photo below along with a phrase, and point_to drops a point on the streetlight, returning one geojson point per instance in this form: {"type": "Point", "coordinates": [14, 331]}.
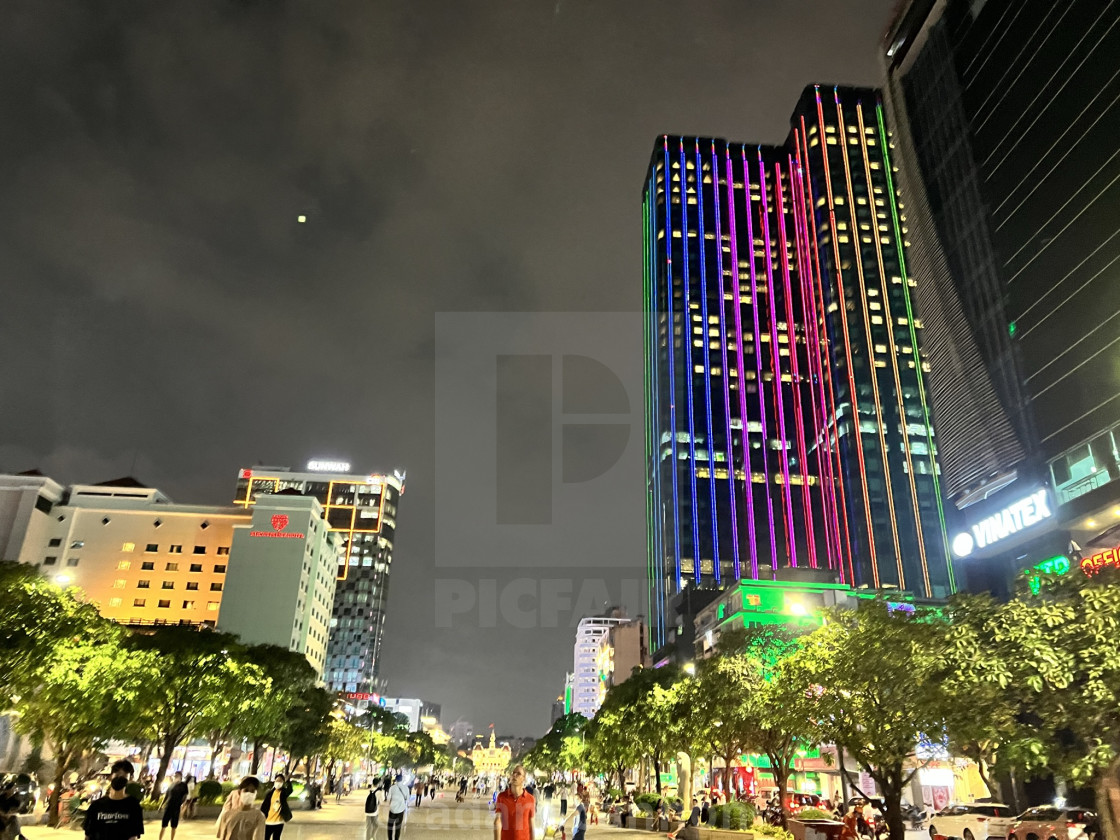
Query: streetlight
{"type": "Point", "coordinates": [690, 668]}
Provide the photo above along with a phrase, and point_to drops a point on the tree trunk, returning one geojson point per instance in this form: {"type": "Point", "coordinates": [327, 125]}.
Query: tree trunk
{"type": "Point", "coordinates": [168, 748]}
{"type": "Point", "coordinates": [891, 784]}
{"type": "Point", "coordinates": [657, 772]}
{"type": "Point", "coordinates": [151, 745]}
{"type": "Point", "coordinates": [1108, 801]}
{"type": "Point", "coordinates": [728, 782]}
{"type": "Point", "coordinates": [63, 759]}
{"type": "Point", "coordinates": [215, 746]}
{"type": "Point", "coordinates": [983, 771]}
{"type": "Point", "coordinates": [781, 779]}
{"type": "Point", "coordinates": [256, 763]}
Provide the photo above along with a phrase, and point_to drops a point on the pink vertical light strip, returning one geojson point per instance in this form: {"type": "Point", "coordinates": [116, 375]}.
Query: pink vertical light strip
{"type": "Point", "coordinates": [748, 490]}
{"type": "Point", "coordinates": [757, 354]}
{"type": "Point", "coordinates": [776, 359]}
{"type": "Point", "coordinates": [795, 374]}
{"type": "Point", "coordinates": [831, 511]}
{"type": "Point", "coordinates": [726, 376]}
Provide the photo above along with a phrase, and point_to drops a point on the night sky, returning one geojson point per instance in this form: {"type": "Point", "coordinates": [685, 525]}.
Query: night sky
{"type": "Point", "coordinates": [165, 314]}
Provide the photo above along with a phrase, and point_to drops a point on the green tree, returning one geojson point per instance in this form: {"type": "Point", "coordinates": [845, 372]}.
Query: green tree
{"type": "Point", "coordinates": [267, 718]}
{"type": "Point", "coordinates": [176, 674]}
{"type": "Point", "coordinates": [36, 615]}
{"type": "Point", "coordinates": [643, 706]}
{"type": "Point", "coordinates": [242, 684]}
{"type": "Point", "coordinates": [875, 674]}
{"type": "Point", "coordinates": [75, 706]}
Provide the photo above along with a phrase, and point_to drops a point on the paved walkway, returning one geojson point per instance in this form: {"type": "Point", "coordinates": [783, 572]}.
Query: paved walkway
{"type": "Point", "coordinates": [441, 818]}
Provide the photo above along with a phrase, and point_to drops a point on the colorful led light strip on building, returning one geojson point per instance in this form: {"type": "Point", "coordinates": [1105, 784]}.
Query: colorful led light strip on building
{"type": "Point", "coordinates": [791, 339]}
{"type": "Point", "coordinates": [821, 356]}
{"type": "Point", "coordinates": [888, 314]}
{"type": "Point", "coordinates": [726, 377]}
{"type": "Point", "coordinates": [687, 338]}
{"type": "Point", "coordinates": [775, 360]}
{"type": "Point", "coordinates": [748, 491]}
{"type": "Point", "coordinates": [883, 141]}
{"type": "Point", "coordinates": [713, 509]}
{"type": "Point", "coordinates": [864, 300]}
{"type": "Point", "coordinates": [654, 558]}
{"type": "Point", "coordinates": [761, 389]}
{"type": "Point", "coordinates": [842, 307]}
{"type": "Point", "coordinates": [671, 344]}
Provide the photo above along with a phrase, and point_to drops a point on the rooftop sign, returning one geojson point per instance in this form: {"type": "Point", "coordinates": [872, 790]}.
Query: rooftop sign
{"type": "Point", "coordinates": [325, 465]}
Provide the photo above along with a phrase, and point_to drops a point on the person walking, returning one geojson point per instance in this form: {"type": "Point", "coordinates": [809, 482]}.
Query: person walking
{"type": "Point", "coordinates": [371, 813]}
{"type": "Point", "coordinates": [116, 816]}
{"type": "Point", "coordinates": [275, 807]}
{"type": "Point", "coordinates": [579, 815]}
{"type": "Point", "coordinates": [514, 809]}
{"type": "Point", "coordinates": [192, 798]}
{"type": "Point", "coordinates": [243, 821]}
{"type": "Point", "coordinates": [398, 807]}
{"type": "Point", "coordinates": [173, 804]}
{"type": "Point", "coordinates": [418, 789]}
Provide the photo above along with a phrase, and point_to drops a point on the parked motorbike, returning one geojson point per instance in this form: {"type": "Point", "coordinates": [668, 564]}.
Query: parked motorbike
{"type": "Point", "coordinates": [914, 816]}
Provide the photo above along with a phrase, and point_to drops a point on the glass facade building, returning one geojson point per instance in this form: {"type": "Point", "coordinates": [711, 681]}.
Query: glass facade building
{"type": "Point", "coordinates": [362, 509]}
{"type": "Point", "coordinates": [1008, 114]}
{"type": "Point", "coordinates": [786, 422]}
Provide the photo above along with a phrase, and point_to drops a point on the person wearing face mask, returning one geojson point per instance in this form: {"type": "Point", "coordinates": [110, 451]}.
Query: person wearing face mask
{"type": "Point", "coordinates": [275, 808]}
{"type": "Point", "coordinates": [245, 821]}
{"type": "Point", "coordinates": [116, 816]}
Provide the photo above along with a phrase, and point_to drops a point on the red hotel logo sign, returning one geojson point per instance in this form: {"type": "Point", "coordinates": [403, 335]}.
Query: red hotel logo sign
{"type": "Point", "coordinates": [1092, 565]}
{"type": "Point", "coordinates": [279, 523]}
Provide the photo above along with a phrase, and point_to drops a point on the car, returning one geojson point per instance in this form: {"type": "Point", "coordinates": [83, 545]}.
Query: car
{"type": "Point", "coordinates": [975, 821]}
{"type": "Point", "coordinates": [1052, 823]}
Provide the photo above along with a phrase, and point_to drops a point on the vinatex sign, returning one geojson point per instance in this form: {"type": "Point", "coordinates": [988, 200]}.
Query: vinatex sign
{"type": "Point", "coordinates": [1005, 523]}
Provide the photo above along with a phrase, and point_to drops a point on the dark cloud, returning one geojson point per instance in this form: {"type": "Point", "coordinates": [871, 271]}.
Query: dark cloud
{"type": "Point", "coordinates": [164, 311]}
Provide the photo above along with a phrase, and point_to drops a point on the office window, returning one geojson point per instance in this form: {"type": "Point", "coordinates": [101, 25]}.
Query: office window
{"type": "Point", "coordinates": [196, 567]}
{"type": "Point", "coordinates": [72, 561]}
{"type": "Point", "coordinates": [151, 548]}
{"type": "Point", "coordinates": [212, 606]}
{"type": "Point", "coordinates": [175, 549]}
{"type": "Point", "coordinates": [78, 544]}
{"type": "Point", "coordinates": [215, 587]}
{"type": "Point", "coordinates": [188, 605]}
{"type": "Point", "coordinates": [169, 584]}
{"type": "Point", "coordinates": [119, 583]}
{"type": "Point", "coordinates": [171, 567]}
{"type": "Point", "coordinates": [143, 584]}
{"type": "Point", "coordinates": [124, 564]}
{"type": "Point", "coordinates": [55, 543]}
{"type": "Point", "coordinates": [163, 605]}
{"type": "Point", "coordinates": [139, 602]}
{"type": "Point", "coordinates": [147, 566]}
{"type": "Point", "coordinates": [192, 585]}
{"type": "Point", "coordinates": [114, 602]}
{"type": "Point", "coordinates": [223, 549]}
{"type": "Point", "coordinates": [200, 549]}
{"type": "Point", "coordinates": [220, 569]}
{"type": "Point", "coordinates": [49, 561]}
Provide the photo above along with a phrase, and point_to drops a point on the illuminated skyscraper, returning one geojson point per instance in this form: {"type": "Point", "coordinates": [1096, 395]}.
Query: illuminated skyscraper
{"type": "Point", "coordinates": [362, 509]}
{"type": "Point", "coordinates": [786, 420]}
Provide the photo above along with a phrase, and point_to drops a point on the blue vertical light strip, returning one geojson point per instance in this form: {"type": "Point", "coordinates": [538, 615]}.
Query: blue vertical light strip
{"type": "Point", "coordinates": [670, 344]}
{"type": "Point", "coordinates": [758, 356]}
{"type": "Point", "coordinates": [707, 361]}
{"type": "Point", "coordinates": [726, 377]}
{"type": "Point", "coordinates": [687, 338]}
{"type": "Point", "coordinates": [652, 577]}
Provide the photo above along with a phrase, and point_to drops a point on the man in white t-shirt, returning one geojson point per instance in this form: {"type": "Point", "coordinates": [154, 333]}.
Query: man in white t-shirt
{"type": "Point", "coordinates": [398, 807]}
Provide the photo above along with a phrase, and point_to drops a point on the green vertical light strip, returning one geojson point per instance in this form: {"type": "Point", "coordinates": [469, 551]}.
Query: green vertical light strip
{"type": "Point", "coordinates": [914, 342]}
